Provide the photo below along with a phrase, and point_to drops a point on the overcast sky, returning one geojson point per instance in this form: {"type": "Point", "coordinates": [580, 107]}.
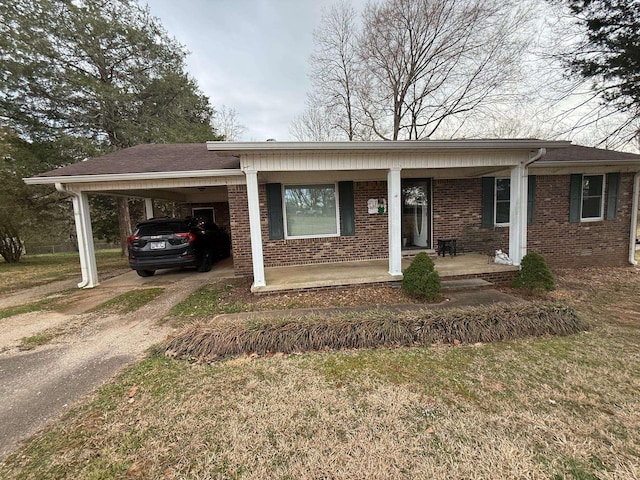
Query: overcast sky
{"type": "Point", "coordinates": [250, 55]}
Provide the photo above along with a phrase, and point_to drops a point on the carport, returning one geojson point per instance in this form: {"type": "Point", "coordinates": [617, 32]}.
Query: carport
{"type": "Point", "coordinates": [188, 174]}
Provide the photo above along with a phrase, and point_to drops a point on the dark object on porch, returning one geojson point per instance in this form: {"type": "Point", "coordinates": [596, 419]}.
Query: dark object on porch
{"type": "Point", "coordinates": [421, 279]}
{"type": "Point", "coordinates": [477, 239]}
{"type": "Point", "coordinates": [375, 328]}
{"type": "Point", "coordinates": [447, 245]}
{"type": "Point", "coordinates": [534, 274]}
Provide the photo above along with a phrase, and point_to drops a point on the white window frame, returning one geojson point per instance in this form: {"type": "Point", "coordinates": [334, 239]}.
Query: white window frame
{"type": "Point", "coordinates": [284, 211]}
{"type": "Point", "coordinates": [213, 212]}
{"type": "Point", "coordinates": [604, 186]}
{"type": "Point", "coordinates": [495, 201]}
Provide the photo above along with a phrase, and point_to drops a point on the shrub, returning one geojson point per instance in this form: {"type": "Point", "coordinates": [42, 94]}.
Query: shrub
{"type": "Point", "coordinates": [534, 274]}
{"type": "Point", "coordinates": [377, 328]}
{"type": "Point", "coordinates": [421, 280]}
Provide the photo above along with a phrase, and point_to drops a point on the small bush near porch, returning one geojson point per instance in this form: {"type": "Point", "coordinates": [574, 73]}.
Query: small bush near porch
{"type": "Point", "coordinates": [421, 279]}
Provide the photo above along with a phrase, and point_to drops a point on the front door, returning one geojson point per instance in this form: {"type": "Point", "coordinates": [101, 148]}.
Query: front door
{"type": "Point", "coordinates": [416, 213]}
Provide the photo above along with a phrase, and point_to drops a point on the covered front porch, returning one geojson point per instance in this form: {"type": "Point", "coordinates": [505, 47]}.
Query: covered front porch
{"type": "Point", "coordinates": [363, 272]}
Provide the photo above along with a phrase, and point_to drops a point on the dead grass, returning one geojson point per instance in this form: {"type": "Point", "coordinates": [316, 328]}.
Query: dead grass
{"type": "Point", "coordinates": [42, 338]}
{"type": "Point", "coordinates": [552, 407]}
{"type": "Point", "coordinates": [215, 339]}
{"type": "Point", "coordinates": [129, 301]}
{"type": "Point", "coordinates": [234, 295]}
{"type": "Point", "coordinates": [34, 270]}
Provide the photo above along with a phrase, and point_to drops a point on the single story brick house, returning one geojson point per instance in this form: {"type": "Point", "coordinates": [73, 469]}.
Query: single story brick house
{"type": "Point", "coordinates": [302, 203]}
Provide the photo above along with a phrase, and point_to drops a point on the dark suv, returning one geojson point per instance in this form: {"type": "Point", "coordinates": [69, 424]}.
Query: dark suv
{"type": "Point", "coordinates": [172, 242]}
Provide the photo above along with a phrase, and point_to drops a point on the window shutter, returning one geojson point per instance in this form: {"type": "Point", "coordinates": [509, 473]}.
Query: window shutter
{"type": "Point", "coordinates": [347, 209]}
{"type": "Point", "coordinates": [274, 209]}
{"type": "Point", "coordinates": [531, 200]}
{"type": "Point", "coordinates": [575, 198]}
{"type": "Point", "coordinates": [613, 189]}
{"type": "Point", "coordinates": [488, 207]}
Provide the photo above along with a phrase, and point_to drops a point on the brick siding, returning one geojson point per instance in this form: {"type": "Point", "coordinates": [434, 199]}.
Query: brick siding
{"type": "Point", "coordinates": [370, 241]}
{"type": "Point", "coordinates": [456, 206]}
{"type": "Point", "coordinates": [566, 244]}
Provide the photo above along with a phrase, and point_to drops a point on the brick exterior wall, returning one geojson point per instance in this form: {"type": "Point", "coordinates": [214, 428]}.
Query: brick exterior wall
{"type": "Point", "coordinates": [456, 206]}
{"type": "Point", "coordinates": [566, 244]}
{"type": "Point", "coordinates": [370, 241]}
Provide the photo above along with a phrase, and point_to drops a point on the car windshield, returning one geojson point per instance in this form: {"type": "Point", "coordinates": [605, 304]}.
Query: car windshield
{"type": "Point", "coordinates": [165, 228]}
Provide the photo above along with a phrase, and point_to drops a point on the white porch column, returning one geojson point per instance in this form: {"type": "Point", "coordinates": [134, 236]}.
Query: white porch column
{"type": "Point", "coordinates": [394, 210]}
{"type": "Point", "coordinates": [255, 228]}
{"type": "Point", "coordinates": [518, 213]}
{"type": "Point", "coordinates": [85, 240]}
{"type": "Point", "coordinates": [148, 208]}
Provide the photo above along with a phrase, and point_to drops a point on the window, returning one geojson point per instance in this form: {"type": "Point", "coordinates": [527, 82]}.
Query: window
{"type": "Point", "coordinates": [592, 197]}
{"type": "Point", "coordinates": [205, 212]}
{"type": "Point", "coordinates": [311, 211]}
{"type": "Point", "coordinates": [503, 197]}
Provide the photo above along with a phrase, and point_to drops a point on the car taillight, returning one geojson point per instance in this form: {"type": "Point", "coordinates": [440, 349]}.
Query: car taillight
{"type": "Point", "coordinates": [190, 237]}
{"type": "Point", "coordinates": [131, 239]}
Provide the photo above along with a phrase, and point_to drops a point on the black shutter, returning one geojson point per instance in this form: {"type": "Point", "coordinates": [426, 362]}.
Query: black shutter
{"type": "Point", "coordinates": [531, 200]}
{"type": "Point", "coordinates": [274, 210]}
{"type": "Point", "coordinates": [488, 207]}
{"type": "Point", "coordinates": [575, 198]}
{"type": "Point", "coordinates": [613, 189]}
{"type": "Point", "coordinates": [347, 209]}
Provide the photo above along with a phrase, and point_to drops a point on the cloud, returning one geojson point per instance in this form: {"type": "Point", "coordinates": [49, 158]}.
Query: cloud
{"type": "Point", "coordinates": [250, 55]}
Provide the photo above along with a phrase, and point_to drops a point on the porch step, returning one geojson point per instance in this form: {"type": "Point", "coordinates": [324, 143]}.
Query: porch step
{"type": "Point", "coordinates": [410, 254]}
{"type": "Point", "coordinates": [467, 284]}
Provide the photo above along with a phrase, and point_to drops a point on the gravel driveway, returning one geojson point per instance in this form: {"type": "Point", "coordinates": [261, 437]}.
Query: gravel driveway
{"type": "Point", "coordinates": [37, 386]}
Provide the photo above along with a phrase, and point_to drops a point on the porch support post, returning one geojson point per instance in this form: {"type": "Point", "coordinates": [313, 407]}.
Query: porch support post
{"type": "Point", "coordinates": [148, 208]}
{"type": "Point", "coordinates": [255, 228]}
{"type": "Point", "coordinates": [85, 240]}
{"type": "Point", "coordinates": [518, 213]}
{"type": "Point", "coordinates": [394, 209]}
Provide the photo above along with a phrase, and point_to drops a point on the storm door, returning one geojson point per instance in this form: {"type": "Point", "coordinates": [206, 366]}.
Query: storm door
{"type": "Point", "coordinates": [416, 213]}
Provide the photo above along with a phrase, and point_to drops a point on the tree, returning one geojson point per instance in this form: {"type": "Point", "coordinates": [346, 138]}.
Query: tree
{"type": "Point", "coordinates": [27, 211]}
{"type": "Point", "coordinates": [609, 56]}
{"type": "Point", "coordinates": [414, 64]}
{"type": "Point", "coordinates": [226, 123]}
{"type": "Point", "coordinates": [99, 71]}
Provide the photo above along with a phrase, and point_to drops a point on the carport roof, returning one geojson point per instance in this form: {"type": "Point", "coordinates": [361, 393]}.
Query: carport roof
{"type": "Point", "coordinates": [170, 157]}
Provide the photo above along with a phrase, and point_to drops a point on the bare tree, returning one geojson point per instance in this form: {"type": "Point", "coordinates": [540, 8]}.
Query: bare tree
{"type": "Point", "coordinates": [429, 60]}
{"type": "Point", "coordinates": [409, 66]}
{"type": "Point", "coordinates": [225, 122]}
{"type": "Point", "coordinates": [334, 74]}
{"type": "Point", "coordinates": [313, 124]}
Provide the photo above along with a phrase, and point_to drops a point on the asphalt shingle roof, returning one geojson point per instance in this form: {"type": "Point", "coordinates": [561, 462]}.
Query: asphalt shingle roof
{"type": "Point", "coordinates": [171, 157]}
{"type": "Point", "coordinates": [180, 157]}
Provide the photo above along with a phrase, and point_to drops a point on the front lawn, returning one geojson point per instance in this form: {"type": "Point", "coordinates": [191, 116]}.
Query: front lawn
{"type": "Point", "coordinates": [550, 407]}
{"type": "Point", "coordinates": [34, 270]}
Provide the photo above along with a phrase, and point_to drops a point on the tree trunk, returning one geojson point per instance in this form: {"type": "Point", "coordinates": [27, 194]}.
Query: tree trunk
{"type": "Point", "coordinates": [124, 223]}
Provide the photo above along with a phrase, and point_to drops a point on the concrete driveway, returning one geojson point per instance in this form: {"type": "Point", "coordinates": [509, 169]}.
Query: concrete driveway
{"type": "Point", "coordinates": [37, 386]}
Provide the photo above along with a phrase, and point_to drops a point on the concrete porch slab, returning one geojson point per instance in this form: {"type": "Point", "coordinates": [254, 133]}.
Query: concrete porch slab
{"type": "Point", "coordinates": [325, 275]}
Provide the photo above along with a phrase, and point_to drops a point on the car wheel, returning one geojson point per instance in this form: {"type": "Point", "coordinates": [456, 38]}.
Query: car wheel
{"type": "Point", "coordinates": [145, 273]}
{"type": "Point", "coordinates": [206, 262]}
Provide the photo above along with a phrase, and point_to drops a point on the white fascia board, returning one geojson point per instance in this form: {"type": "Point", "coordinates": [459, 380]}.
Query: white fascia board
{"type": "Point", "coordinates": [132, 176]}
{"type": "Point", "coordinates": [386, 146]}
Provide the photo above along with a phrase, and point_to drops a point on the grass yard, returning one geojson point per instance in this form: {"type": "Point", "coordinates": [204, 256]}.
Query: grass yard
{"type": "Point", "coordinates": [34, 270]}
{"type": "Point", "coordinates": [551, 407]}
